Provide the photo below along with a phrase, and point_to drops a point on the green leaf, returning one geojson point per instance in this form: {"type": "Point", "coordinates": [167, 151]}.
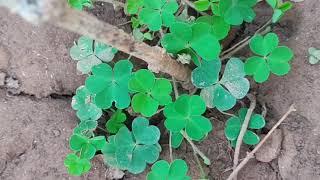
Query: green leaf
{"type": "Point", "coordinates": [237, 11]}
{"type": "Point", "coordinates": [132, 6]}
{"type": "Point", "coordinates": [86, 128]}
{"type": "Point", "coordinates": [199, 37]}
{"type": "Point", "coordinates": [135, 22]}
{"type": "Point", "coordinates": [202, 5]}
{"type": "Point", "coordinates": [133, 150]}
{"type": "Point", "coordinates": [76, 166]}
{"type": "Point", "coordinates": [220, 28]}
{"type": "Point", "coordinates": [109, 85]}
{"type": "Point", "coordinates": [264, 45]}
{"type": "Point", "coordinates": [235, 86]}
{"type": "Point", "coordinates": [273, 58]}
{"type": "Point", "coordinates": [277, 14]}
{"type": "Point", "coordinates": [116, 122]}
{"type": "Point", "coordinates": [251, 138]}
{"type": "Point", "coordinates": [149, 92]}
{"type": "Point", "coordinates": [233, 127]}
{"type": "Point", "coordinates": [80, 4]}
{"type": "Point", "coordinates": [98, 142]}
{"type": "Point", "coordinates": [176, 139]}
{"type": "Point", "coordinates": [185, 113]}
{"type": "Point", "coordinates": [314, 55]}
{"type": "Point", "coordinates": [82, 103]}
{"type": "Point", "coordinates": [83, 145]}
{"type": "Point", "coordinates": [163, 170]}
{"type": "Point", "coordinates": [89, 53]}
{"type": "Point", "coordinates": [158, 13]}
{"type": "Point", "coordinates": [206, 74]}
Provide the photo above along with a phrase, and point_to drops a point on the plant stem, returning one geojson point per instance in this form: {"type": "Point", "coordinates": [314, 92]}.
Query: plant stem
{"type": "Point", "coordinates": [102, 129]}
{"type": "Point", "coordinates": [243, 131]}
{"type": "Point", "coordinates": [228, 114]}
{"type": "Point", "coordinates": [196, 149]}
{"type": "Point", "coordinates": [251, 154]}
{"type": "Point", "coordinates": [175, 88]}
{"type": "Point", "coordinates": [113, 2]}
{"type": "Point", "coordinates": [202, 173]}
{"type": "Point", "coordinates": [190, 4]}
{"type": "Point", "coordinates": [170, 146]}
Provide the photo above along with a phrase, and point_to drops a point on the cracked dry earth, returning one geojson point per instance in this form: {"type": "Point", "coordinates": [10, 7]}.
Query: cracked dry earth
{"type": "Point", "coordinates": [37, 79]}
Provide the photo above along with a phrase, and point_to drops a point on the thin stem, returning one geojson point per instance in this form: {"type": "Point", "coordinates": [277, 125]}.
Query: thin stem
{"type": "Point", "coordinates": [243, 131]}
{"type": "Point", "coordinates": [102, 129]}
{"type": "Point", "coordinates": [196, 149]}
{"type": "Point", "coordinates": [251, 154]}
{"type": "Point", "coordinates": [236, 45]}
{"type": "Point", "coordinates": [202, 173]}
{"type": "Point", "coordinates": [190, 4]}
{"type": "Point", "coordinates": [228, 114]}
{"type": "Point", "coordinates": [114, 2]}
{"type": "Point", "coordinates": [170, 146]}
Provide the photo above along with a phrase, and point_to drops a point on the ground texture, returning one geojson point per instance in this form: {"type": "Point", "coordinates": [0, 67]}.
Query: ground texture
{"type": "Point", "coordinates": [37, 79]}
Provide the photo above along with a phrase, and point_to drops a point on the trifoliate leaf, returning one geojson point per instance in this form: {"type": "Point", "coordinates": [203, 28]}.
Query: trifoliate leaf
{"type": "Point", "coordinates": [186, 113]}
{"type": "Point", "coordinates": [149, 92]}
{"type": "Point", "coordinates": [237, 11]}
{"type": "Point", "coordinates": [158, 13]}
{"type": "Point", "coordinates": [87, 147]}
{"type": "Point", "coordinates": [89, 53]}
{"type": "Point", "coordinates": [198, 37]}
{"type": "Point", "coordinates": [133, 150]}
{"type": "Point", "coordinates": [109, 85]}
{"type": "Point", "coordinates": [235, 85]}
{"type": "Point", "coordinates": [220, 28]}
{"type": "Point", "coordinates": [76, 166]}
{"type": "Point", "coordinates": [86, 128]}
{"type": "Point", "coordinates": [135, 22]}
{"type": "Point", "coordinates": [233, 127]}
{"type": "Point", "coordinates": [272, 58]}
{"type": "Point", "coordinates": [80, 4]}
{"type": "Point", "coordinates": [178, 170]}
{"type": "Point", "coordinates": [116, 122]}
{"type": "Point", "coordinates": [82, 103]}
{"type": "Point", "coordinates": [314, 55]}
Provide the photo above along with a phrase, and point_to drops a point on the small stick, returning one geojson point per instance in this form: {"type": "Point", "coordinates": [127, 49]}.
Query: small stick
{"type": "Point", "coordinates": [251, 154]}
{"type": "Point", "coordinates": [196, 149]}
{"type": "Point", "coordinates": [175, 88]}
{"type": "Point", "coordinates": [170, 146]}
{"type": "Point", "coordinates": [243, 131]}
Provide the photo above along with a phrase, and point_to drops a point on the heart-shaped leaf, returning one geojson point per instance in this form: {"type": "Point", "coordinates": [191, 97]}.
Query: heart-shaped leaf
{"type": "Point", "coordinates": [76, 166]}
{"type": "Point", "coordinates": [163, 170]}
{"type": "Point", "coordinates": [116, 122]}
{"type": "Point", "coordinates": [206, 74]}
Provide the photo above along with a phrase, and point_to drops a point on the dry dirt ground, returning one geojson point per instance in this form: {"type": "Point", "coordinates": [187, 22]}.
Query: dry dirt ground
{"type": "Point", "coordinates": [37, 79]}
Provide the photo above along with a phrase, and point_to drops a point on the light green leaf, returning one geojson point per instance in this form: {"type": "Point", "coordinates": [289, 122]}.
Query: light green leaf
{"type": "Point", "coordinates": [314, 55]}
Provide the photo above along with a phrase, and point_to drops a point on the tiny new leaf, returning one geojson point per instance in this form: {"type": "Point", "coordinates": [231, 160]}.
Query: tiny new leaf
{"type": "Point", "coordinates": [177, 170]}
{"type": "Point", "coordinates": [133, 150]}
{"type": "Point", "coordinates": [82, 103]}
{"type": "Point", "coordinates": [186, 113]}
{"type": "Point", "coordinates": [76, 166]}
{"type": "Point", "coordinates": [233, 127]}
{"type": "Point", "coordinates": [116, 122]}
{"type": "Point", "coordinates": [222, 93]}
{"type": "Point", "coordinates": [109, 85]}
{"type": "Point", "coordinates": [89, 53]}
{"type": "Point", "coordinates": [271, 57]}
{"type": "Point", "coordinates": [149, 92]}
{"type": "Point", "coordinates": [86, 128]}
{"type": "Point", "coordinates": [198, 37]}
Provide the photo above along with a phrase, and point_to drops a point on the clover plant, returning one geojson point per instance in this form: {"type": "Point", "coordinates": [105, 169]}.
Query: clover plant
{"type": "Point", "coordinates": [89, 53]}
{"type": "Point", "coordinates": [149, 92]}
{"type": "Point", "coordinates": [233, 127]}
{"type": "Point", "coordinates": [121, 97]}
{"type": "Point", "coordinates": [271, 57]}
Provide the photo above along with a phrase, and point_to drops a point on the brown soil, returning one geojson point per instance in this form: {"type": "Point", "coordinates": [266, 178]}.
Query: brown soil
{"type": "Point", "coordinates": [37, 79]}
